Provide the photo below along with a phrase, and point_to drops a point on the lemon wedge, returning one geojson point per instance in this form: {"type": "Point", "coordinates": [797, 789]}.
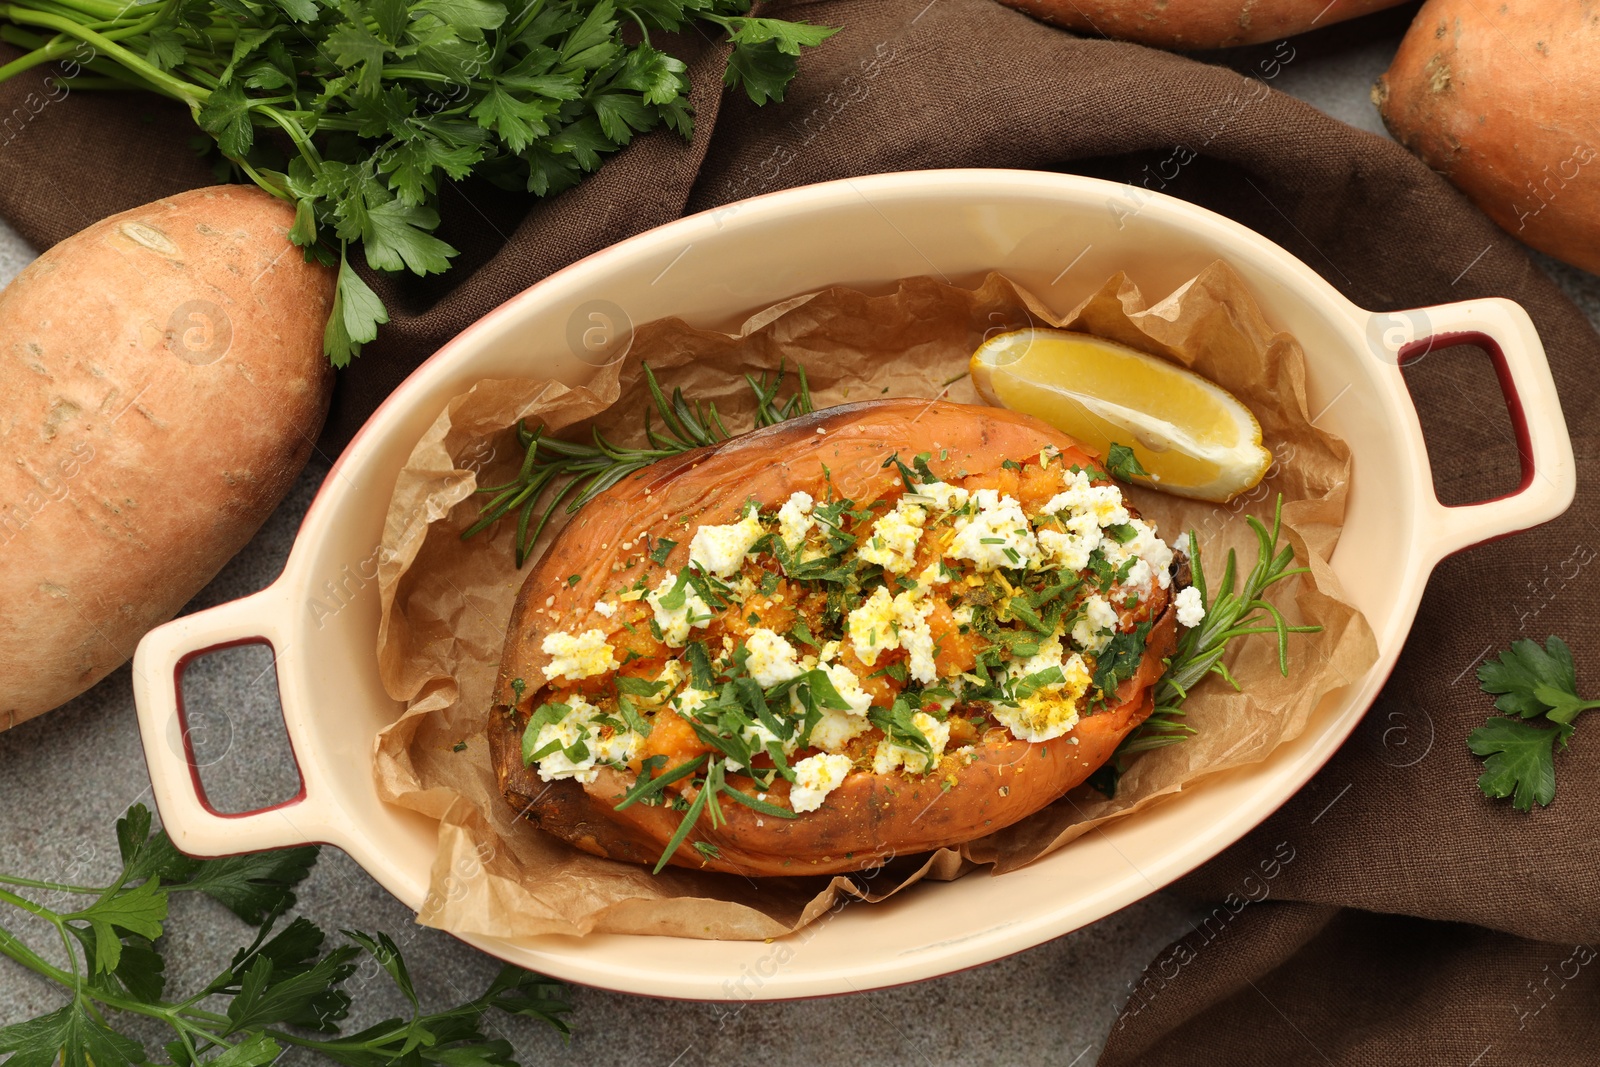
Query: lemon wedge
{"type": "Point", "coordinates": [1193, 437]}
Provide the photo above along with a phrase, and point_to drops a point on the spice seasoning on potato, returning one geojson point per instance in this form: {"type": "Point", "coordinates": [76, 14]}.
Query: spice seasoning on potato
{"type": "Point", "coordinates": [161, 384]}
{"type": "Point", "coordinates": [910, 630]}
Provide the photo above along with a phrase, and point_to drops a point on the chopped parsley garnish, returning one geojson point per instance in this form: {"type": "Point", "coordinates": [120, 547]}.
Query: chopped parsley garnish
{"type": "Point", "coordinates": [1123, 465]}
{"type": "Point", "coordinates": [1120, 659]}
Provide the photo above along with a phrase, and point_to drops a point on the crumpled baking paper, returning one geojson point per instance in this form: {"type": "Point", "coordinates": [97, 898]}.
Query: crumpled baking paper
{"type": "Point", "coordinates": [446, 602]}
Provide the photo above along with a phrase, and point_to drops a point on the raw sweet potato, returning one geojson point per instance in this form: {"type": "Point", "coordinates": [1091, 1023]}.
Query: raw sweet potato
{"type": "Point", "coordinates": [161, 384]}
{"type": "Point", "coordinates": [1500, 98]}
{"type": "Point", "coordinates": [1198, 24]}
{"type": "Point", "coordinates": [616, 544]}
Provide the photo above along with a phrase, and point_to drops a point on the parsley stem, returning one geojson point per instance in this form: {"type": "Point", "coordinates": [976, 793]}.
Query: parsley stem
{"type": "Point", "coordinates": [29, 883]}
{"type": "Point", "coordinates": [643, 29]}
{"type": "Point", "coordinates": [61, 45]}
{"type": "Point", "coordinates": [29, 906]}
{"type": "Point", "coordinates": [13, 947]}
{"type": "Point", "coordinates": [190, 94]}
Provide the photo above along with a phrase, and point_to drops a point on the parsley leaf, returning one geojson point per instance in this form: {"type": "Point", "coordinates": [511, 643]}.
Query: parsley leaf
{"type": "Point", "coordinates": [71, 1035]}
{"type": "Point", "coordinates": [1517, 672]}
{"type": "Point", "coordinates": [1120, 659]}
{"type": "Point", "coordinates": [357, 314]}
{"type": "Point", "coordinates": [1529, 682]}
{"type": "Point", "coordinates": [1123, 465]}
{"type": "Point", "coordinates": [140, 911]}
{"type": "Point", "coordinates": [285, 978]}
{"type": "Point", "coordinates": [1521, 762]}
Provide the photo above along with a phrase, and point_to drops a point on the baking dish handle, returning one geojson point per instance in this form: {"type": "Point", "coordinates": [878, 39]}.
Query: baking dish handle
{"type": "Point", "coordinates": [194, 825]}
{"type": "Point", "coordinates": [1549, 477]}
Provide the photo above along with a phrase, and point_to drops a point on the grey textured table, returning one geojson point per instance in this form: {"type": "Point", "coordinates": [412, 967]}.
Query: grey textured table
{"type": "Point", "coordinates": [66, 777]}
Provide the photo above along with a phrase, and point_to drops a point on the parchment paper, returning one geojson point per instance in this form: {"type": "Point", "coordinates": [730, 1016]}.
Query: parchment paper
{"type": "Point", "coordinates": [445, 602]}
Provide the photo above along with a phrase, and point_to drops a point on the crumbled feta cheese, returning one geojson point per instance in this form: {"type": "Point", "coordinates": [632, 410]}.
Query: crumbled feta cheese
{"type": "Point", "coordinates": [720, 550]}
{"type": "Point", "coordinates": [848, 686]}
{"type": "Point", "coordinates": [1138, 579]}
{"type": "Point", "coordinates": [675, 623]}
{"type": "Point", "coordinates": [690, 700]}
{"type": "Point", "coordinates": [577, 728]}
{"type": "Point", "coordinates": [607, 608]}
{"type": "Point", "coordinates": [1104, 502]}
{"type": "Point", "coordinates": [889, 755]}
{"type": "Point", "coordinates": [558, 765]}
{"type": "Point", "coordinates": [758, 737]}
{"type": "Point", "coordinates": [871, 626]}
{"type": "Point", "coordinates": [618, 748]}
{"type": "Point", "coordinates": [933, 574]}
{"type": "Point", "coordinates": [1071, 549]}
{"type": "Point", "coordinates": [1147, 546]}
{"type": "Point", "coordinates": [1049, 655]}
{"type": "Point", "coordinates": [1093, 631]}
{"type": "Point", "coordinates": [1053, 709]}
{"type": "Point", "coordinates": [883, 623]}
{"type": "Point", "coordinates": [771, 659]}
{"type": "Point", "coordinates": [577, 656]}
{"type": "Point", "coordinates": [672, 675]}
{"type": "Point", "coordinates": [998, 536]}
{"type": "Point", "coordinates": [911, 612]}
{"type": "Point", "coordinates": [940, 495]}
{"type": "Point", "coordinates": [1180, 545]}
{"type": "Point", "coordinates": [836, 729]}
{"type": "Point", "coordinates": [1191, 609]}
{"type": "Point", "coordinates": [814, 778]}
{"type": "Point", "coordinates": [892, 544]}
{"type": "Point", "coordinates": [838, 725]}
{"type": "Point", "coordinates": [795, 519]}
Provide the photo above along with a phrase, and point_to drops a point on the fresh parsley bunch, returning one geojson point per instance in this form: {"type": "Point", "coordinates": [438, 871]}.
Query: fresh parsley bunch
{"type": "Point", "coordinates": [282, 989]}
{"type": "Point", "coordinates": [356, 110]}
{"type": "Point", "coordinates": [1535, 685]}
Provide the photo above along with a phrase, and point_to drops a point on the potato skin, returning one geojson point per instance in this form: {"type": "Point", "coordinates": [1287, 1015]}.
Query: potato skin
{"type": "Point", "coordinates": [1197, 24]}
{"type": "Point", "coordinates": [161, 384]}
{"type": "Point", "coordinates": [869, 818]}
{"type": "Point", "coordinates": [1500, 99]}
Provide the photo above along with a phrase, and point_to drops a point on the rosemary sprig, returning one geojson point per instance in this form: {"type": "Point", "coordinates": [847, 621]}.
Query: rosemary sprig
{"type": "Point", "coordinates": [552, 469]}
{"type": "Point", "coordinates": [1230, 614]}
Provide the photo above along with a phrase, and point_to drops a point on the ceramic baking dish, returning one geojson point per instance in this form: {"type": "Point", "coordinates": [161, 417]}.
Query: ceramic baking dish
{"type": "Point", "coordinates": [1058, 235]}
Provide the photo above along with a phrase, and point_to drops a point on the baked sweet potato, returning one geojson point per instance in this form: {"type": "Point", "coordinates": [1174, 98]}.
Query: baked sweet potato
{"type": "Point", "coordinates": [1198, 24]}
{"type": "Point", "coordinates": [1500, 99]}
{"type": "Point", "coordinates": [161, 384]}
{"type": "Point", "coordinates": [1030, 549]}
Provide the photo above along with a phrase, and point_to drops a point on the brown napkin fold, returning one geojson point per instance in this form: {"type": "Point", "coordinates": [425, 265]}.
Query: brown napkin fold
{"type": "Point", "coordinates": [1474, 942]}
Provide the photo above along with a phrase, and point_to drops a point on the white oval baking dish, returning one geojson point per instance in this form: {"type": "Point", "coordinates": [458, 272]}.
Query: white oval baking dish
{"type": "Point", "coordinates": [1058, 235]}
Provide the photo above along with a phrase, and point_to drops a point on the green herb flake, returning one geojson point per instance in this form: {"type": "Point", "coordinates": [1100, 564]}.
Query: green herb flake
{"type": "Point", "coordinates": [1123, 465]}
{"type": "Point", "coordinates": [663, 549]}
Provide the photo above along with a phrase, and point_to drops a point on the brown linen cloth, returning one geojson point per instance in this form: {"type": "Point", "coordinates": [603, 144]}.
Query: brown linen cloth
{"type": "Point", "coordinates": [1386, 914]}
